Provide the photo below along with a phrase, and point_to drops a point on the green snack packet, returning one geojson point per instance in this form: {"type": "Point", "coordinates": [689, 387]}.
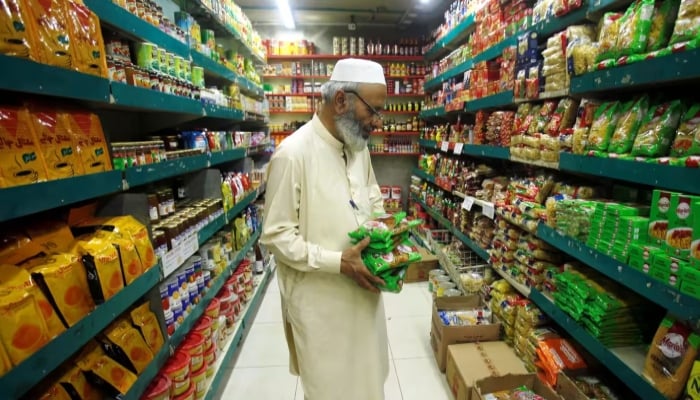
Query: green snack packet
{"type": "Point", "coordinates": [383, 228]}
{"type": "Point", "coordinates": [634, 28]}
{"type": "Point", "coordinates": [604, 122]}
{"type": "Point", "coordinates": [607, 39]}
{"type": "Point", "coordinates": [393, 280]}
{"type": "Point", "coordinates": [665, 12]}
{"type": "Point", "coordinates": [687, 142]}
{"type": "Point", "coordinates": [687, 25]}
{"type": "Point", "coordinates": [402, 255]}
{"type": "Point", "coordinates": [633, 112]}
{"type": "Point", "coordinates": [658, 130]}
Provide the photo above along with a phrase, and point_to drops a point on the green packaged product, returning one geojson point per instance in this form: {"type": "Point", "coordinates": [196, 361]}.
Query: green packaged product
{"type": "Point", "coordinates": [682, 219]}
{"type": "Point", "coordinates": [604, 123]}
{"type": "Point", "coordinates": [665, 12]}
{"type": "Point", "coordinates": [608, 32]}
{"type": "Point", "coordinates": [687, 142]}
{"type": "Point", "coordinates": [658, 130]}
{"type": "Point", "coordinates": [691, 289]}
{"type": "Point", "coordinates": [658, 219]}
{"type": "Point", "coordinates": [687, 25]}
{"type": "Point", "coordinates": [393, 280]}
{"type": "Point", "coordinates": [383, 228]}
{"type": "Point", "coordinates": [401, 256]}
{"type": "Point", "coordinates": [633, 112]}
{"type": "Point", "coordinates": [634, 28]}
{"type": "Point", "coordinates": [690, 273]}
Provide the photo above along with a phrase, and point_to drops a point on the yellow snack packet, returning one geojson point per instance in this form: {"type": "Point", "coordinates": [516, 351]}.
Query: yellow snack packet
{"type": "Point", "coordinates": [106, 373]}
{"type": "Point", "coordinates": [101, 261]}
{"type": "Point", "coordinates": [15, 37]}
{"type": "Point", "coordinates": [128, 255]}
{"type": "Point", "coordinates": [128, 346]}
{"type": "Point", "coordinates": [137, 232]}
{"type": "Point", "coordinates": [21, 161]}
{"type": "Point", "coordinates": [76, 384]}
{"type": "Point", "coordinates": [64, 281]}
{"type": "Point", "coordinates": [23, 331]}
{"type": "Point", "coordinates": [57, 147]}
{"type": "Point", "coordinates": [56, 392]}
{"type": "Point", "coordinates": [5, 363]}
{"type": "Point", "coordinates": [85, 130]}
{"type": "Point", "coordinates": [145, 320]}
{"type": "Point", "coordinates": [48, 21]}
{"type": "Point", "coordinates": [88, 48]}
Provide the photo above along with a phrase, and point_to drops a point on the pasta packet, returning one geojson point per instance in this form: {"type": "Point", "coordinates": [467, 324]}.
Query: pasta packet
{"type": "Point", "coordinates": [633, 113]}
{"type": "Point", "coordinates": [604, 122]}
{"type": "Point", "coordinates": [634, 28]}
{"type": "Point", "coordinates": [665, 12]}
{"type": "Point", "coordinates": [658, 129]}
{"type": "Point", "coordinates": [563, 116]}
{"type": "Point", "coordinates": [402, 255]}
{"type": "Point", "coordinates": [687, 25]}
{"type": "Point", "coordinates": [687, 142]}
{"type": "Point", "coordinates": [607, 39]}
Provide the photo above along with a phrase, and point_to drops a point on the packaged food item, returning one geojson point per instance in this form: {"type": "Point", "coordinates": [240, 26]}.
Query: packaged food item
{"type": "Point", "coordinates": [607, 39]}
{"type": "Point", "coordinates": [126, 345]}
{"type": "Point", "coordinates": [687, 25]}
{"type": "Point", "coordinates": [671, 356]}
{"type": "Point", "coordinates": [632, 114]}
{"type": "Point", "coordinates": [23, 330]}
{"type": "Point", "coordinates": [63, 279]}
{"type": "Point", "coordinates": [687, 142]}
{"type": "Point", "coordinates": [658, 129]}
{"type": "Point", "coordinates": [56, 392]}
{"type": "Point", "coordinates": [101, 261]}
{"type": "Point", "coordinates": [21, 161]}
{"type": "Point", "coordinates": [88, 138]}
{"type": "Point", "coordinates": [74, 381]}
{"type": "Point", "coordinates": [659, 215]}
{"type": "Point", "coordinates": [393, 280]}
{"type": "Point", "coordinates": [682, 219]}
{"type": "Point", "coordinates": [594, 388]}
{"type": "Point", "coordinates": [50, 33]}
{"type": "Point", "coordinates": [665, 12]}
{"type": "Point", "coordinates": [402, 255]}
{"type": "Point", "coordinates": [57, 148]}
{"type": "Point", "coordinates": [128, 255]}
{"type": "Point", "coordinates": [104, 372]}
{"type": "Point", "coordinates": [130, 227]}
{"type": "Point", "coordinates": [87, 47]}
{"type": "Point", "coordinates": [584, 120]}
{"type": "Point", "coordinates": [604, 123]}
{"type": "Point", "coordinates": [15, 31]}
{"type": "Point", "coordinates": [145, 320]}
{"type": "Point", "coordinates": [383, 230]}
{"type": "Point", "coordinates": [563, 117]}
{"type": "Point", "coordinates": [634, 28]}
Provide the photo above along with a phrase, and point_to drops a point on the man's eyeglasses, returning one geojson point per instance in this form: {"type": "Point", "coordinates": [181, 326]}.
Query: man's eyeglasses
{"type": "Point", "coordinates": [375, 113]}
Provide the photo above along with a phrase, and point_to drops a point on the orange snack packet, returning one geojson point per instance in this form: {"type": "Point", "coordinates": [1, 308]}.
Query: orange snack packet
{"type": "Point", "coordinates": [145, 320]}
{"type": "Point", "coordinates": [74, 381]}
{"type": "Point", "coordinates": [21, 161]}
{"type": "Point", "coordinates": [101, 261]}
{"type": "Point", "coordinates": [64, 281]}
{"type": "Point", "coordinates": [23, 331]}
{"type": "Point", "coordinates": [87, 48]}
{"type": "Point", "coordinates": [58, 150]}
{"type": "Point", "coordinates": [15, 39]}
{"type": "Point", "coordinates": [129, 226]}
{"type": "Point", "coordinates": [127, 346]}
{"type": "Point", "coordinates": [104, 372]}
{"type": "Point", "coordinates": [48, 22]}
{"type": "Point", "coordinates": [128, 255]}
{"type": "Point", "coordinates": [88, 139]}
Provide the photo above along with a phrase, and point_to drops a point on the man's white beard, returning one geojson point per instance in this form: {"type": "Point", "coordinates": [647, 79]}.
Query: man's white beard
{"type": "Point", "coordinates": [350, 129]}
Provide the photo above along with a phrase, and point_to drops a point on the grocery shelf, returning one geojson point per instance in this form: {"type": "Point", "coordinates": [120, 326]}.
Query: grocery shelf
{"type": "Point", "coordinates": [496, 50]}
{"type": "Point", "coordinates": [684, 179]}
{"type": "Point", "coordinates": [681, 305]}
{"type": "Point", "coordinates": [129, 24]}
{"type": "Point", "coordinates": [213, 67]}
{"type": "Point", "coordinates": [129, 96]}
{"type": "Point", "coordinates": [148, 374]}
{"type": "Point", "coordinates": [423, 175]}
{"type": "Point", "coordinates": [207, 19]}
{"type": "Point", "coordinates": [291, 112]}
{"type": "Point", "coordinates": [241, 205]}
{"type": "Point", "coordinates": [385, 153]}
{"type": "Point", "coordinates": [538, 163]}
{"type": "Point", "coordinates": [480, 150]}
{"type": "Point", "coordinates": [502, 99]}
{"type": "Point", "coordinates": [142, 175]}
{"type": "Point", "coordinates": [618, 366]}
{"type": "Point", "coordinates": [340, 57]}
{"type": "Point", "coordinates": [451, 40]}
{"type": "Point", "coordinates": [221, 157]}
{"type": "Point", "coordinates": [399, 112]}
{"type": "Point", "coordinates": [23, 377]}
{"type": "Point", "coordinates": [216, 111]}
{"type": "Point", "coordinates": [249, 87]}
{"type": "Point", "coordinates": [24, 200]}
{"type": "Point", "coordinates": [26, 76]}
{"type": "Point", "coordinates": [438, 112]}
{"type": "Point", "coordinates": [428, 144]}
{"type": "Point", "coordinates": [555, 24]}
{"type": "Point", "coordinates": [674, 68]}
{"type": "Point", "coordinates": [406, 95]}
{"type": "Point", "coordinates": [596, 8]}
{"type": "Point", "coordinates": [231, 348]}
{"type": "Point", "coordinates": [544, 96]}
{"type": "Point", "coordinates": [396, 133]}
{"type": "Point", "coordinates": [295, 76]}
{"type": "Point", "coordinates": [210, 229]}
{"type": "Point", "coordinates": [403, 76]}
{"type": "Point", "coordinates": [294, 94]}
{"type": "Point", "coordinates": [524, 290]}
{"type": "Point", "coordinates": [457, 70]}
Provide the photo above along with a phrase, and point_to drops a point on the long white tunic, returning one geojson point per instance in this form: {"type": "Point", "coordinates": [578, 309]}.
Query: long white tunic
{"type": "Point", "coordinates": [336, 331]}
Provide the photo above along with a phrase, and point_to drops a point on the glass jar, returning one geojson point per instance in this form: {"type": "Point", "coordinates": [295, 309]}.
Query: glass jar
{"type": "Point", "coordinates": [153, 203]}
{"type": "Point", "coordinates": [131, 157]}
{"type": "Point", "coordinates": [163, 209]}
{"type": "Point", "coordinates": [160, 243]}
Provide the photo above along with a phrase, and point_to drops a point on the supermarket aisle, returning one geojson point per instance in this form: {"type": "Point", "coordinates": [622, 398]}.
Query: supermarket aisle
{"type": "Point", "coordinates": [261, 371]}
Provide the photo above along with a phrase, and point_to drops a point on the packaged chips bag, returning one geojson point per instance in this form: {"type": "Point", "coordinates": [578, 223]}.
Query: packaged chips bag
{"type": "Point", "coordinates": [393, 280]}
{"type": "Point", "coordinates": [604, 123]}
{"type": "Point", "coordinates": [101, 261]}
{"type": "Point", "coordinates": [145, 320]}
{"type": "Point", "coordinates": [384, 231]}
{"type": "Point", "coordinates": [658, 130]}
{"type": "Point", "coordinates": [687, 142]}
{"type": "Point", "coordinates": [126, 345]}
{"type": "Point", "coordinates": [110, 376]}
{"type": "Point", "coordinates": [633, 113]}
{"type": "Point", "coordinates": [402, 255]}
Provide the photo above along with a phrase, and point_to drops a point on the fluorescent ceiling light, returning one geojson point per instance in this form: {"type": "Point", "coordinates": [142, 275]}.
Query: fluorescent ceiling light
{"type": "Point", "coordinates": [286, 13]}
{"type": "Point", "coordinates": [425, 1]}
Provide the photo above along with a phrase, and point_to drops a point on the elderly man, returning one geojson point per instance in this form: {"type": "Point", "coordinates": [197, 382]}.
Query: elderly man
{"type": "Point", "coordinates": [321, 186]}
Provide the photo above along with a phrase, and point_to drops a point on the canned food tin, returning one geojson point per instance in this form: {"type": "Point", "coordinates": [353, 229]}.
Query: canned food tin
{"type": "Point", "coordinates": [163, 60]}
{"type": "Point", "coordinates": [147, 56]}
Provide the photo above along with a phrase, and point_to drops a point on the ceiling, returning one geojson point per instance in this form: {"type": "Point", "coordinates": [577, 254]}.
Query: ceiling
{"type": "Point", "coordinates": [367, 13]}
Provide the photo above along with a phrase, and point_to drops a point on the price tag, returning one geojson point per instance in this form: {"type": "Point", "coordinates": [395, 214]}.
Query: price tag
{"type": "Point", "coordinates": [488, 210]}
{"type": "Point", "coordinates": [468, 203]}
{"type": "Point", "coordinates": [458, 148]}
{"type": "Point", "coordinates": [445, 146]}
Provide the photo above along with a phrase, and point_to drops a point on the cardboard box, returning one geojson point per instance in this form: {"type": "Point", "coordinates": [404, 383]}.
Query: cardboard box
{"type": "Point", "coordinates": [691, 289]}
{"type": "Point", "coordinates": [680, 225]}
{"type": "Point", "coordinates": [418, 272]}
{"type": "Point", "coordinates": [660, 212]}
{"type": "Point", "coordinates": [568, 390]}
{"type": "Point", "coordinates": [469, 362]}
{"type": "Point", "coordinates": [509, 382]}
{"type": "Point", "coordinates": [442, 335]}
{"type": "Point", "coordinates": [694, 255]}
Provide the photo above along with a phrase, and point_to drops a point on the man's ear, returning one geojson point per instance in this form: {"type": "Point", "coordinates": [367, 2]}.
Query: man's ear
{"type": "Point", "coordinates": [340, 102]}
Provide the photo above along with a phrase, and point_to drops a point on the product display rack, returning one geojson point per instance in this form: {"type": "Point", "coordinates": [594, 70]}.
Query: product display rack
{"type": "Point", "coordinates": [306, 57]}
{"type": "Point", "coordinates": [450, 40]}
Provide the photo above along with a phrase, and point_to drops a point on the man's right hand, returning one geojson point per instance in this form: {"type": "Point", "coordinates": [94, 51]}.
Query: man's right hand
{"type": "Point", "coordinates": [352, 266]}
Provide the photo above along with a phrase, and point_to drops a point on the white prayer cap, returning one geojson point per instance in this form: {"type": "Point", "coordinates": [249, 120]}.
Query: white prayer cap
{"type": "Point", "coordinates": [356, 70]}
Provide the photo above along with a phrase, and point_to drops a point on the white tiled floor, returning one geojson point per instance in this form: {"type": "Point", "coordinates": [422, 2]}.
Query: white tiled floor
{"type": "Point", "coordinates": [261, 371]}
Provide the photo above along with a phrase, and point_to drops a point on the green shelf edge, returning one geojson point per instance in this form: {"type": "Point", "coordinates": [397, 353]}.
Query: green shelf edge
{"type": "Point", "coordinates": [124, 21]}
{"type": "Point", "coordinates": [221, 157]}
{"type": "Point", "coordinates": [433, 113]}
{"type": "Point", "coordinates": [455, 35]}
{"type": "Point", "coordinates": [138, 176]}
{"type": "Point", "coordinates": [241, 205]}
{"type": "Point", "coordinates": [663, 176]}
{"type": "Point", "coordinates": [616, 366]}
{"type": "Point", "coordinates": [214, 111]}
{"type": "Point", "coordinates": [249, 87]}
{"type": "Point", "coordinates": [450, 73]}
{"type": "Point", "coordinates": [553, 25]}
{"type": "Point", "coordinates": [677, 67]}
{"type": "Point", "coordinates": [497, 100]}
{"type": "Point", "coordinates": [171, 344]}
{"type": "Point", "coordinates": [681, 305]}
{"type": "Point", "coordinates": [428, 144]}
{"type": "Point", "coordinates": [247, 320]}
{"type": "Point", "coordinates": [213, 67]}
{"type": "Point", "coordinates": [423, 175]}
{"type": "Point", "coordinates": [26, 76]}
{"type": "Point", "coordinates": [597, 7]}
{"type": "Point", "coordinates": [208, 231]}
{"type": "Point", "coordinates": [128, 96]}
{"type": "Point", "coordinates": [24, 200]}
{"type": "Point", "coordinates": [22, 378]}
{"type": "Point", "coordinates": [478, 150]}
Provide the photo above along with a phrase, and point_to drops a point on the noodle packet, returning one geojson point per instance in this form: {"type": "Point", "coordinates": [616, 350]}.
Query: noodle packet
{"type": "Point", "coordinates": [687, 142]}
{"type": "Point", "coordinates": [634, 28]}
{"type": "Point", "coordinates": [628, 125]}
{"type": "Point", "coordinates": [393, 280]}
{"type": "Point", "coordinates": [607, 39]}
{"type": "Point", "coordinates": [658, 129]}
{"type": "Point", "coordinates": [604, 123]}
{"type": "Point", "coordinates": [665, 12]}
{"type": "Point", "coordinates": [402, 255]}
{"type": "Point", "coordinates": [383, 228]}
{"type": "Point", "coordinates": [687, 25]}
